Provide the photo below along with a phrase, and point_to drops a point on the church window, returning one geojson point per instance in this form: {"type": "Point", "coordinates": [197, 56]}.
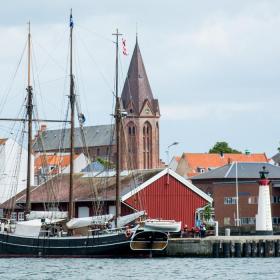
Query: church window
{"type": "Point", "coordinates": [131, 145]}
{"type": "Point", "coordinates": [147, 145]}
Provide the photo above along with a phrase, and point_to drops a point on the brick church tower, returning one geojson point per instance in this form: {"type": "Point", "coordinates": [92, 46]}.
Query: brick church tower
{"type": "Point", "coordinates": [140, 148]}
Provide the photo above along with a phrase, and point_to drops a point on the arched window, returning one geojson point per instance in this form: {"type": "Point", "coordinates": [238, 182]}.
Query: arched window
{"type": "Point", "coordinates": [131, 129]}
{"type": "Point", "coordinates": [147, 145]}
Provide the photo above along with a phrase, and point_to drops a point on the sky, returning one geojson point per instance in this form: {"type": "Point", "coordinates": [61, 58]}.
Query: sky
{"type": "Point", "coordinates": [213, 65]}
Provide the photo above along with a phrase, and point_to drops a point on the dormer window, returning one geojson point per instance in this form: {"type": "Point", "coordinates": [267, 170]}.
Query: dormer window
{"type": "Point", "coordinates": [201, 170]}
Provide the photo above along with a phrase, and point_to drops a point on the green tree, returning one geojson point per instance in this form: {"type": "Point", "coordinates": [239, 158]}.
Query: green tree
{"type": "Point", "coordinates": [223, 147]}
{"type": "Point", "coordinates": [207, 212]}
{"type": "Point", "coordinates": [105, 163]}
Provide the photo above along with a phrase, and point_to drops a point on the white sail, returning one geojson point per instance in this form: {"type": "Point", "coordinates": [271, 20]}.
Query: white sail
{"type": "Point", "coordinates": [30, 228]}
{"type": "Point", "coordinates": [46, 215]}
{"type": "Point", "coordinates": [88, 221]}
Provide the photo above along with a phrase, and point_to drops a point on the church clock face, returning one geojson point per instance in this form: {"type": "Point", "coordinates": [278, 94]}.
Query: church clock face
{"type": "Point", "coordinates": [147, 110]}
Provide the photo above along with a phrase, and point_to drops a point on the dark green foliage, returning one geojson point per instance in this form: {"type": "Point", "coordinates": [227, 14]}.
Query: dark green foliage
{"type": "Point", "coordinates": [207, 212]}
{"type": "Point", "coordinates": [223, 147]}
{"type": "Point", "coordinates": [107, 164]}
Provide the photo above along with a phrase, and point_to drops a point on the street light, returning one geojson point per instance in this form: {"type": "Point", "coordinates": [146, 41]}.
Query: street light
{"type": "Point", "coordinates": [167, 151]}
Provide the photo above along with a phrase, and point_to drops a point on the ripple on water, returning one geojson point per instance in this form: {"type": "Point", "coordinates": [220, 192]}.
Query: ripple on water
{"type": "Point", "coordinates": [163, 268]}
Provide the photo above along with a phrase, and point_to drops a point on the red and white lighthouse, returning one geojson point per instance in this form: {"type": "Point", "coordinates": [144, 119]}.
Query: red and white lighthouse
{"type": "Point", "coordinates": [263, 217]}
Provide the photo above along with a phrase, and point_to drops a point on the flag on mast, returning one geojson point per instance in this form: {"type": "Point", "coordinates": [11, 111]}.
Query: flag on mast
{"type": "Point", "coordinates": [124, 47]}
{"type": "Point", "coordinates": [71, 21]}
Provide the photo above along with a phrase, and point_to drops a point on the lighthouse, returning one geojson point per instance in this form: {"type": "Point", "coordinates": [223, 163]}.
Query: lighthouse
{"type": "Point", "coordinates": [263, 217]}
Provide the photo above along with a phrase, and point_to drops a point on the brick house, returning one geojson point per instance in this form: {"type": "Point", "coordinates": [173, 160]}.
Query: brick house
{"type": "Point", "coordinates": [222, 183]}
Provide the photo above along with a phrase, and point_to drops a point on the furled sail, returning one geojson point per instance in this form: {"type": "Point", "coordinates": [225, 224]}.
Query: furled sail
{"type": "Point", "coordinates": [124, 220]}
{"type": "Point", "coordinates": [88, 221]}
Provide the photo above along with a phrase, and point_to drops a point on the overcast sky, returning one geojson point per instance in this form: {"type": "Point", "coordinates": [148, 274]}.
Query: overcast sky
{"type": "Point", "coordinates": [213, 65]}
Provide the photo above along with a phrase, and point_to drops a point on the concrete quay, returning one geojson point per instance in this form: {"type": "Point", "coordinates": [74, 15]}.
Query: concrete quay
{"type": "Point", "coordinates": [224, 246]}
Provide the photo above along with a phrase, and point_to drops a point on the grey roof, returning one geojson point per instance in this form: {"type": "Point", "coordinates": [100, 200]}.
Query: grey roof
{"type": "Point", "coordinates": [276, 158]}
{"type": "Point", "coordinates": [245, 170]}
{"type": "Point", "coordinates": [99, 135]}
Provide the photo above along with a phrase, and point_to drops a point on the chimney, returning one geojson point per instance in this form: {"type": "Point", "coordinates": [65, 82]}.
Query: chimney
{"type": "Point", "coordinates": [43, 128]}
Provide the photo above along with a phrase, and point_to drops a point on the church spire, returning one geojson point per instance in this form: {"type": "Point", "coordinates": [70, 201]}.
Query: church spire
{"type": "Point", "coordinates": [137, 90]}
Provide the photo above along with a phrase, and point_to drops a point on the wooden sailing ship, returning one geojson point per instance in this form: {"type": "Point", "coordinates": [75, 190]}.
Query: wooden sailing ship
{"type": "Point", "coordinates": [32, 238]}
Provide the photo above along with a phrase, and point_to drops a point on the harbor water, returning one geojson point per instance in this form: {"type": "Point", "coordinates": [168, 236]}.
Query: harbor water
{"type": "Point", "coordinates": [149, 268]}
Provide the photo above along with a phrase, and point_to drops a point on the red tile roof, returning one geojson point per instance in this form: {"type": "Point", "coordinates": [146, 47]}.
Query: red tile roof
{"type": "Point", "coordinates": [194, 161]}
{"type": "Point", "coordinates": [3, 141]}
{"type": "Point", "coordinates": [61, 161]}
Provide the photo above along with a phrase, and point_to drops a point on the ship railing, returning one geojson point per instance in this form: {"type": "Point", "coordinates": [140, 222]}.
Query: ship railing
{"type": "Point", "coordinates": [107, 230]}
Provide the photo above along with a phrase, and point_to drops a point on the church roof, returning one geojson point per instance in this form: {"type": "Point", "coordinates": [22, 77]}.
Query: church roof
{"type": "Point", "coordinates": [137, 88]}
{"type": "Point", "coordinates": [99, 135]}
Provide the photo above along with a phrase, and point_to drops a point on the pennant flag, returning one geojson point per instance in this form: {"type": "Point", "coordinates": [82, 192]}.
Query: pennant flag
{"type": "Point", "coordinates": [124, 47]}
{"type": "Point", "coordinates": [71, 21]}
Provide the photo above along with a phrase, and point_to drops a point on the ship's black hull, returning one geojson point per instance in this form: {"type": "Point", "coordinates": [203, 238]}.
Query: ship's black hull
{"type": "Point", "coordinates": [92, 246]}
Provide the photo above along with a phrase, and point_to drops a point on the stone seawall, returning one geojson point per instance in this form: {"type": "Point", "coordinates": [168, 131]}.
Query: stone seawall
{"type": "Point", "coordinates": [224, 246]}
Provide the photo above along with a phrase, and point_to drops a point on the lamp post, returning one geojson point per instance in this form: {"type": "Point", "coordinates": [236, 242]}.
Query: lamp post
{"type": "Point", "coordinates": [167, 151]}
{"type": "Point", "coordinates": [168, 161]}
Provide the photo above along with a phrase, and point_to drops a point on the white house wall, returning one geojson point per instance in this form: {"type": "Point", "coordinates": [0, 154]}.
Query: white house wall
{"type": "Point", "coordinates": [12, 180]}
{"type": "Point", "coordinates": [80, 163]}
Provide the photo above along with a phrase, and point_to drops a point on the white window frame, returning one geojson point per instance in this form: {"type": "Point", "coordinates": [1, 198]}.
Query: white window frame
{"type": "Point", "coordinates": [20, 216]}
{"type": "Point", "coordinates": [230, 200]}
{"type": "Point", "coordinates": [14, 216]}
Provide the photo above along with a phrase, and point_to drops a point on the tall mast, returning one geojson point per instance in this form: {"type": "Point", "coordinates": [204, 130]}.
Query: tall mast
{"type": "Point", "coordinates": [29, 108]}
{"type": "Point", "coordinates": [118, 118]}
{"type": "Point", "coordinates": [72, 121]}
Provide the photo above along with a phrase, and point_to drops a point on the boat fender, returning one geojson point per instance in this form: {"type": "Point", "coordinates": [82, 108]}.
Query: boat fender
{"type": "Point", "coordinates": [128, 233]}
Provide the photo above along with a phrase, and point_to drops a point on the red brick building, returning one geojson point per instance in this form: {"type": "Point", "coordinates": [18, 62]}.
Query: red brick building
{"type": "Point", "coordinates": [222, 184]}
{"type": "Point", "coordinates": [141, 125]}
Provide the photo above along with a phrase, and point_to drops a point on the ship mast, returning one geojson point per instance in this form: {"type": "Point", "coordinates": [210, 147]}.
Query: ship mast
{"type": "Point", "coordinates": [29, 108]}
{"type": "Point", "coordinates": [118, 117]}
{"type": "Point", "coordinates": [72, 122]}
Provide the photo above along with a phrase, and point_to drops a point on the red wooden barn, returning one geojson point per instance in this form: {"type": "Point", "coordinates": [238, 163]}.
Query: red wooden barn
{"type": "Point", "coordinates": [169, 196]}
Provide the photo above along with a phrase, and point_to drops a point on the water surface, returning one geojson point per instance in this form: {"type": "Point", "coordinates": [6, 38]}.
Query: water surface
{"type": "Point", "coordinates": [144, 269]}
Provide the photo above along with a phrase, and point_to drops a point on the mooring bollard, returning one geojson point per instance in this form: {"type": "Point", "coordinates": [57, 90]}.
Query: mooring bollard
{"type": "Point", "coordinates": [254, 249]}
{"type": "Point", "coordinates": [238, 250]}
{"type": "Point", "coordinates": [226, 250]}
{"type": "Point", "coordinates": [216, 250]}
